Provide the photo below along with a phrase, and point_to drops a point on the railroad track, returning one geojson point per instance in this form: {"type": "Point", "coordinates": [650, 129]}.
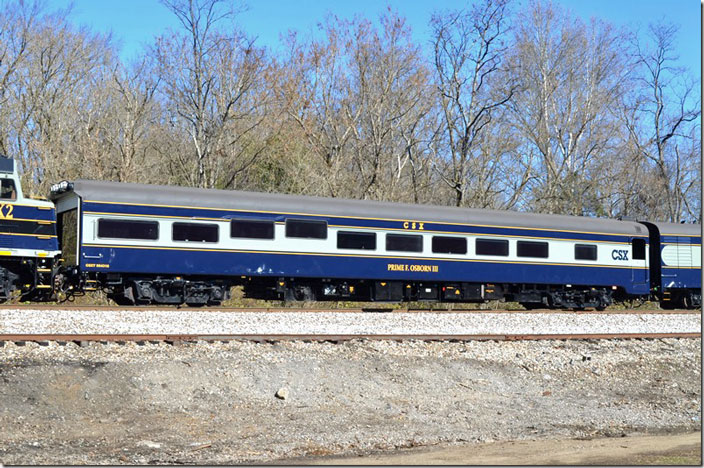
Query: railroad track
{"type": "Point", "coordinates": [65, 306]}
{"type": "Point", "coordinates": [176, 339]}
{"type": "Point", "coordinates": [80, 324]}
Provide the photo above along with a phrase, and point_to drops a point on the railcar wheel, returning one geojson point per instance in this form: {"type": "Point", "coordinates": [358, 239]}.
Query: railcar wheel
{"type": "Point", "coordinates": [300, 294]}
{"type": "Point", "coordinates": [686, 300]}
{"type": "Point", "coordinates": [602, 304]}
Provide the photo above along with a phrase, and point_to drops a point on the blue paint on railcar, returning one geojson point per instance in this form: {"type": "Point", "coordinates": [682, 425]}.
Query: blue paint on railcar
{"type": "Point", "coordinates": [28, 227]}
{"type": "Point", "coordinates": [129, 259]}
{"type": "Point", "coordinates": [189, 213]}
{"type": "Point", "coordinates": [28, 242]}
{"type": "Point", "coordinates": [677, 277]}
{"type": "Point", "coordinates": [693, 240]}
{"type": "Point", "coordinates": [20, 211]}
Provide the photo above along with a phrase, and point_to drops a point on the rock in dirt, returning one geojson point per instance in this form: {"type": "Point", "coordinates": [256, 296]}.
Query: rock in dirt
{"type": "Point", "coordinates": [149, 444]}
{"type": "Point", "coordinates": [282, 393]}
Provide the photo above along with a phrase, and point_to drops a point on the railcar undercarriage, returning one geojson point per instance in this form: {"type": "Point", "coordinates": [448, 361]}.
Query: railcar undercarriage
{"type": "Point", "coordinates": [684, 298]}
{"type": "Point", "coordinates": [531, 296]}
{"type": "Point", "coordinates": [29, 278]}
{"type": "Point", "coordinates": [194, 292]}
{"type": "Point", "coordinates": [201, 291]}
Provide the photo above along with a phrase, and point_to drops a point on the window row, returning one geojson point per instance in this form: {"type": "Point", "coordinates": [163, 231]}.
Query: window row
{"type": "Point", "coordinates": [201, 232]}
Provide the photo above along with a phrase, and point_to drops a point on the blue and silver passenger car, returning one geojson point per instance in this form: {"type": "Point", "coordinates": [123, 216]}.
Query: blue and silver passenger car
{"type": "Point", "coordinates": [149, 243]}
{"type": "Point", "coordinates": [678, 272]}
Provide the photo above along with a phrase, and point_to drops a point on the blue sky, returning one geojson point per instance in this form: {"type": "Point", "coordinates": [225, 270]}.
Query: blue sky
{"type": "Point", "coordinates": [135, 22]}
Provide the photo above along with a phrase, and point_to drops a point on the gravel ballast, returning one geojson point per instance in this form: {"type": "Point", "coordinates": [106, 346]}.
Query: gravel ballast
{"type": "Point", "coordinates": [217, 403]}
{"type": "Point", "coordinates": [24, 321]}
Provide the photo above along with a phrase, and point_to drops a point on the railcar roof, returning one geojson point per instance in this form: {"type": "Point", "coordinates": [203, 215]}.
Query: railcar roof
{"type": "Point", "coordinates": [120, 192]}
{"type": "Point", "coordinates": [679, 229]}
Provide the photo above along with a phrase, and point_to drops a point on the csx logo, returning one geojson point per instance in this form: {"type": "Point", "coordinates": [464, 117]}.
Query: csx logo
{"type": "Point", "coordinates": [413, 225]}
{"type": "Point", "coordinates": [619, 254]}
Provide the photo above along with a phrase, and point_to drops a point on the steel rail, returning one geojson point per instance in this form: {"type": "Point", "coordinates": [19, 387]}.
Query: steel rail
{"type": "Point", "coordinates": [184, 338]}
{"type": "Point", "coordinates": [344, 310]}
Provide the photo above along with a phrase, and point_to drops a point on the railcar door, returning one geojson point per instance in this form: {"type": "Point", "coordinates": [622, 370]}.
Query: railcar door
{"type": "Point", "coordinates": [639, 264]}
{"type": "Point", "coordinates": [684, 252]}
{"type": "Point", "coordinates": [69, 228]}
{"type": "Point", "coordinates": [685, 273]}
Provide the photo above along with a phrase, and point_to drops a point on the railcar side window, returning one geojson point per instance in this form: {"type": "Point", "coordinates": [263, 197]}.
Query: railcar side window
{"type": "Point", "coordinates": [252, 229]}
{"type": "Point", "coordinates": [638, 246]}
{"type": "Point", "coordinates": [306, 229]}
{"type": "Point", "coordinates": [532, 249]}
{"type": "Point", "coordinates": [449, 245]}
{"type": "Point", "coordinates": [195, 232]}
{"type": "Point", "coordinates": [585, 252]}
{"type": "Point", "coordinates": [356, 240]}
{"type": "Point", "coordinates": [404, 242]}
{"type": "Point", "coordinates": [128, 229]}
{"type": "Point", "coordinates": [7, 189]}
{"type": "Point", "coordinates": [492, 247]}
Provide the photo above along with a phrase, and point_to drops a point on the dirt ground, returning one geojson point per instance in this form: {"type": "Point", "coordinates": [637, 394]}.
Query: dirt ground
{"type": "Point", "coordinates": [216, 403]}
{"type": "Point", "coordinates": [681, 449]}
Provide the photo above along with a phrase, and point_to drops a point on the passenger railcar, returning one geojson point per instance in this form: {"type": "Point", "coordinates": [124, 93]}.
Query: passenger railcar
{"type": "Point", "coordinates": [676, 277]}
{"type": "Point", "coordinates": [164, 244]}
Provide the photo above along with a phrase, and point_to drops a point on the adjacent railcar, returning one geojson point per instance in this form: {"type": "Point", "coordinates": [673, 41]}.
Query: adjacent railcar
{"type": "Point", "coordinates": [28, 244]}
{"type": "Point", "coordinates": [165, 244]}
{"type": "Point", "coordinates": [677, 273]}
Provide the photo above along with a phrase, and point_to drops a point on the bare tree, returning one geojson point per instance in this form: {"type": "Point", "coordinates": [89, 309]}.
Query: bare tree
{"type": "Point", "coordinates": [662, 117]}
{"type": "Point", "coordinates": [132, 119]}
{"type": "Point", "coordinates": [571, 76]}
{"type": "Point", "coordinates": [469, 49]}
{"type": "Point", "coordinates": [390, 90]}
{"type": "Point", "coordinates": [212, 80]}
{"type": "Point", "coordinates": [48, 111]}
{"type": "Point", "coordinates": [16, 27]}
{"type": "Point", "coordinates": [361, 98]}
{"type": "Point", "coordinates": [314, 88]}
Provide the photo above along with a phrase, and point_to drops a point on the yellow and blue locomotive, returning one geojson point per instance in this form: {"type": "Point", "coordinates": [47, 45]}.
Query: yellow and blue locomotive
{"type": "Point", "coordinates": [29, 251]}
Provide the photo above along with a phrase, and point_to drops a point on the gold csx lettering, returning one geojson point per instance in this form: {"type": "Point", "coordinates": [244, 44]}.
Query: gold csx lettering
{"type": "Point", "coordinates": [413, 225]}
{"type": "Point", "coordinates": [6, 211]}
